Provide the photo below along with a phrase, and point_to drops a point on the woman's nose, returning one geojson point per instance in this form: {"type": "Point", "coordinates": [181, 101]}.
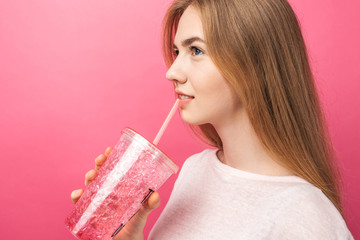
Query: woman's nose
{"type": "Point", "coordinates": [176, 73]}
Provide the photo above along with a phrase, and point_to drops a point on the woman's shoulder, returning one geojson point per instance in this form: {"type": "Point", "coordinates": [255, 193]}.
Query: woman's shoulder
{"type": "Point", "coordinates": [200, 158]}
{"type": "Point", "coordinates": [192, 167]}
{"type": "Point", "coordinates": [195, 163]}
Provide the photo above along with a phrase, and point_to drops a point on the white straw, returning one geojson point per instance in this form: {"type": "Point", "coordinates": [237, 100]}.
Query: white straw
{"type": "Point", "coordinates": [166, 122]}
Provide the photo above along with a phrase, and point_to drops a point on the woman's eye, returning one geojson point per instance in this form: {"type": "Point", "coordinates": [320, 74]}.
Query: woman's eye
{"type": "Point", "coordinates": [195, 51]}
{"type": "Point", "coordinates": [176, 52]}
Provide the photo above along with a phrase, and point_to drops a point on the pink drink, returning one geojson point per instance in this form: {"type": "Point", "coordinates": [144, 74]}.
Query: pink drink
{"type": "Point", "coordinates": [134, 169]}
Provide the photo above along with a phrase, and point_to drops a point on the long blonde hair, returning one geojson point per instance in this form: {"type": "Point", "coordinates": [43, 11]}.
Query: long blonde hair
{"type": "Point", "coordinates": [258, 47]}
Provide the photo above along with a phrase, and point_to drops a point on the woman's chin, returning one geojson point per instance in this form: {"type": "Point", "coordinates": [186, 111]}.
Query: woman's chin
{"type": "Point", "coordinates": [190, 119]}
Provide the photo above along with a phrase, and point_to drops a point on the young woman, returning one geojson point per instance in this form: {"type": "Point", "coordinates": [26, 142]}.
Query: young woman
{"type": "Point", "coordinates": [241, 70]}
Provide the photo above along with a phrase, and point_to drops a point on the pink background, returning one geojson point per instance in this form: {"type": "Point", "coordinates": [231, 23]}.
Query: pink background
{"type": "Point", "coordinates": [74, 73]}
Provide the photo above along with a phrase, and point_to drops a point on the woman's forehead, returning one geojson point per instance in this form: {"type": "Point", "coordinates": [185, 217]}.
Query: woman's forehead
{"type": "Point", "coordinates": [189, 26]}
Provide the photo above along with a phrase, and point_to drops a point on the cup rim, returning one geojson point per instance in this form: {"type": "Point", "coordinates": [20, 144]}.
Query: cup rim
{"type": "Point", "coordinates": [171, 164]}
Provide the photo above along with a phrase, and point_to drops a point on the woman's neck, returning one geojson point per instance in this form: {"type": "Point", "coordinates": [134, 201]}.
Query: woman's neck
{"type": "Point", "coordinates": [243, 150]}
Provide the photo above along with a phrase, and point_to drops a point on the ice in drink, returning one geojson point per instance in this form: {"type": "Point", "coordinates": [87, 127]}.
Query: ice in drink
{"type": "Point", "coordinates": [134, 169]}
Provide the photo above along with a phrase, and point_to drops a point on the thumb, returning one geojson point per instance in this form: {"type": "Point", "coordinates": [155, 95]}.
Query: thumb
{"type": "Point", "coordinates": [152, 203]}
{"type": "Point", "coordinates": [137, 223]}
{"type": "Point", "coordinates": [135, 227]}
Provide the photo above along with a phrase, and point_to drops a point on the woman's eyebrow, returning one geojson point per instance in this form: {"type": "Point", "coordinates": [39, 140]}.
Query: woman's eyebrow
{"type": "Point", "coordinates": [189, 41]}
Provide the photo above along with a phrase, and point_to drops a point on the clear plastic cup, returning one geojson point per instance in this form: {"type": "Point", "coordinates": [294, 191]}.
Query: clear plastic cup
{"type": "Point", "coordinates": [134, 169]}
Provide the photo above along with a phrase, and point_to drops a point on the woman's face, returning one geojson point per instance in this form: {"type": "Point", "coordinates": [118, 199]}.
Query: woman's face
{"type": "Point", "coordinates": [209, 98]}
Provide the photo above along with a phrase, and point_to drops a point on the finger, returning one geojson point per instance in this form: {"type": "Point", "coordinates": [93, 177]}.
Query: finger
{"type": "Point", "coordinates": [76, 194]}
{"type": "Point", "coordinates": [137, 223]}
{"type": "Point", "coordinates": [108, 151]}
{"type": "Point", "coordinates": [89, 176]}
{"type": "Point", "coordinates": [99, 161]}
{"type": "Point", "coordinates": [152, 203]}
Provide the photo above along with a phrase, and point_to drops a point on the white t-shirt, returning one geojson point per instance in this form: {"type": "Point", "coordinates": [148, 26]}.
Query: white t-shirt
{"type": "Point", "coordinates": [211, 200]}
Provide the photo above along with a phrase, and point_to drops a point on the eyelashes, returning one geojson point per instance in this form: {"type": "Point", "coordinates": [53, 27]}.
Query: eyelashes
{"type": "Point", "coordinates": [175, 52]}
{"type": "Point", "coordinates": [195, 51]}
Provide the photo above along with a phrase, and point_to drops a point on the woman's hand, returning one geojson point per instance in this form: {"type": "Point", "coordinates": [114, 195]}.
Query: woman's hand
{"type": "Point", "coordinates": [133, 230]}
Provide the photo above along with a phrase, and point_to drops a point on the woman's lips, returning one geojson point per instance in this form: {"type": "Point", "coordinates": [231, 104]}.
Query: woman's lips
{"type": "Point", "coordinates": [184, 98]}
{"type": "Point", "coordinates": [182, 95]}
